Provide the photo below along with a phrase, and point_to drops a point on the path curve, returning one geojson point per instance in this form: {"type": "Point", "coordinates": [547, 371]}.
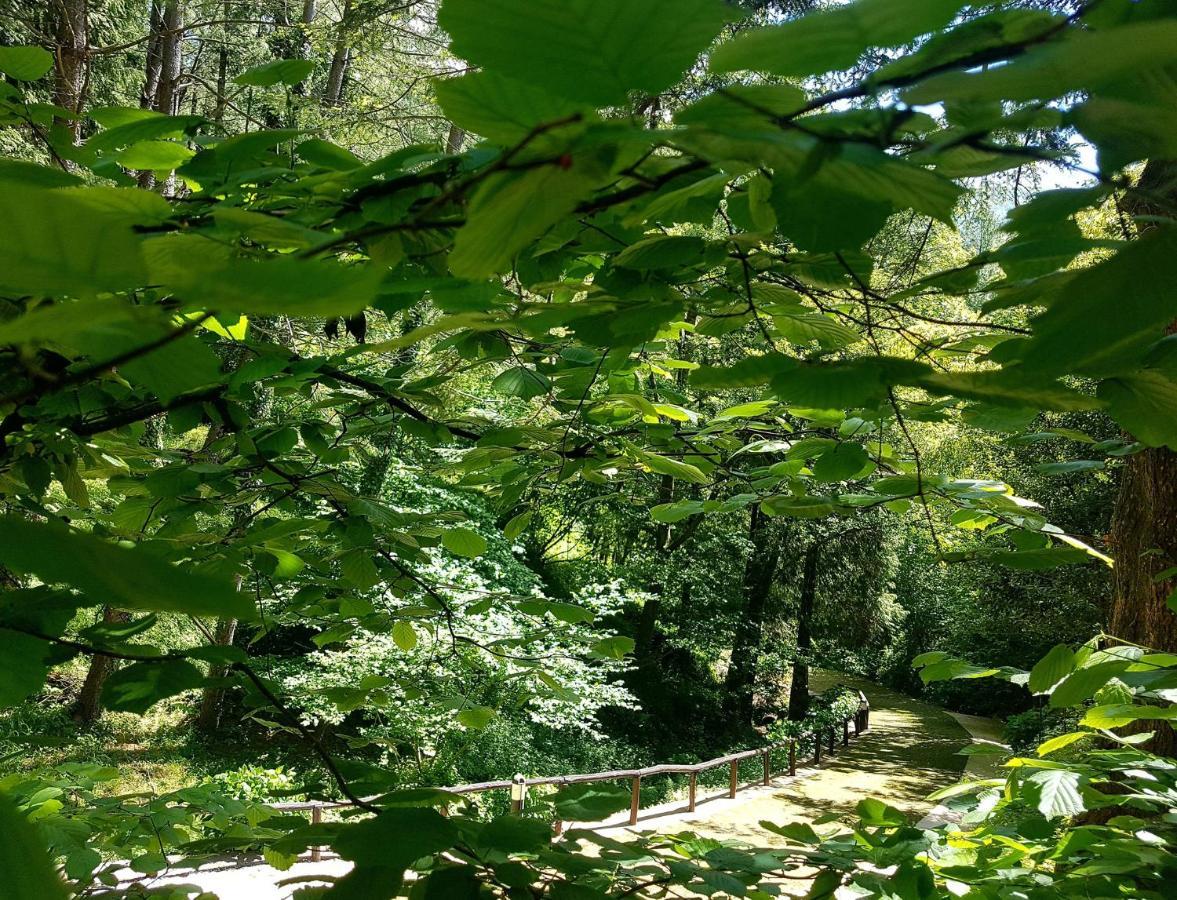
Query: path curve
{"type": "Point", "coordinates": [910, 750]}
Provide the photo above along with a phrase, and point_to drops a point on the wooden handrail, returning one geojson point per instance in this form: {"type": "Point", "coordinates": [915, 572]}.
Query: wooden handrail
{"type": "Point", "coordinates": [860, 720]}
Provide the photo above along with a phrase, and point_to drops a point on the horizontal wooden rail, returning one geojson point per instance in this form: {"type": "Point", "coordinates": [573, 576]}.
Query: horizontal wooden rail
{"type": "Point", "coordinates": [861, 720]}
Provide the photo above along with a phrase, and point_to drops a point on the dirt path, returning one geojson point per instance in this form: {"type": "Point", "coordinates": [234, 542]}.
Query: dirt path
{"type": "Point", "coordinates": [909, 751]}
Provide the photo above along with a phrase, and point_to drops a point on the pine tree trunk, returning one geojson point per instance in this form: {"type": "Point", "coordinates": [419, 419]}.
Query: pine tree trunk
{"type": "Point", "coordinates": [1143, 538]}
{"type": "Point", "coordinates": [88, 707]}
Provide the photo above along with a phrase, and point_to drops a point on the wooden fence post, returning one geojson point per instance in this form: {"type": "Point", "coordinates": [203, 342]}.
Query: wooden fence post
{"type": "Point", "coordinates": [691, 796]}
{"type": "Point", "coordinates": [316, 819]}
{"type": "Point", "coordinates": [845, 732]}
{"type": "Point", "coordinates": [767, 758]}
{"type": "Point", "coordinates": [635, 799]}
{"type": "Point", "coordinates": [792, 757]}
{"type": "Point", "coordinates": [831, 739]}
{"type": "Point", "coordinates": [816, 748]}
{"type": "Point", "coordinates": [735, 778]}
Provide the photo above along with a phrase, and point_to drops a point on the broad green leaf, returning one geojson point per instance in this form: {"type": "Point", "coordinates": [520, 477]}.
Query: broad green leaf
{"type": "Point", "coordinates": [1052, 668]}
{"type": "Point", "coordinates": [158, 156]}
{"type": "Point", "coordinates": [384, 846]}
{"type": "Point", "coordinates": [145, 126]}
{"type": "Point", "coordinates": [24, 663]}
{"type": "Point", "coordinates": [206, 275]}
{"type": "Point", "coordinates": [522, 382]}
{"type": "Point", "coordinates": [1037, 560]}
{"type": "Point", "coordinates": [797, 507]}
{"type": "Point", "coordinates": [833, 38]}
{"type": "Point", "coordinates": [590, 802]}
{"type": "Point", "coordinates": [404, 635]}
{"type": "Point", "coordinates": [500, 108]}
{"type": "Point", "coordinates": [139, 686]}
{"type": "Point", "coordinates": [25, 63]}
{"type": "Point", "coordinates": [876, 813]}
{"type": "Point", "coordinates": [28, 868]}
{"type": "Point", "coordinates": [116, 576]}
{"type": "Point", "coordinates": [514, 834]}
{"type": "Point", "coordinates": [1060, 741]}
{"type": "Point", "coordinates": [517, 525]}
{"type": "Point", "coordinates": [464, 542]}
{"type": "Point", "coordinates": [841, 463]}
{"type": "Point", "coordinates": [664, 465]}
{"type": "Point", "coordinates": [662, 252]}
{"type": "Point", "coordinates": [1082, 60]}
{"type": "Point", "coordinates": [1145, 402]}
{"type": "Point", "coordinates": [279, 71]}
{"type": "Point", "coordinates": [1082, 684]}
{"type": "Point", "coordinates": [1056, 792]}
{"type": "Point", "coordinates": [511, 210]}
{"type": "Point", "coordinates": [616, 647]}
{"type": "Point", "coordinates": [594, 51]}
{"type": "Point", "coordinates": [476, 717]}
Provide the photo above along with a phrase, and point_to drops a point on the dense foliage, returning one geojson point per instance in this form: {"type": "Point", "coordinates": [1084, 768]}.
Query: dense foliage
{"type": "Point", "coordinates": [549, 385]}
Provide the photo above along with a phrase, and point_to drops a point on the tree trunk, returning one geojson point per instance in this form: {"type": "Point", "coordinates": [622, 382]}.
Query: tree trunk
{"type": "Point", "coordinates": [758, 575]}
{"type": "Point", "coordinates": [799, 685]}
{"type": "Point", "coordinates": [71, 60]}
{"type": "Point", "coordinates": [454, 140]}
{"type": "Point", "coordinates": [170, 56]}
{"type": "Point", "coordinates": [1143, 538]}
{"type": "Point", "coordinates": [154, 62]}
{"type": "Point", "coordinates": [89, 706]}
{"type": "Point", "coordinates": [213, 701]}
{"type": "Point", "coordinates": [333, 92]}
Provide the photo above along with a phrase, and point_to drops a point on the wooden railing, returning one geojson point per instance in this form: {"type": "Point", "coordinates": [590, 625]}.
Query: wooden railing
{"type": "Point", "coordinates": [829, 736]}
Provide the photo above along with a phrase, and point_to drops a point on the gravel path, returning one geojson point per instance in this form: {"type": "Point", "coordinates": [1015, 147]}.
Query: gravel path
{"type": "Point", "coordinates": [910, 750]}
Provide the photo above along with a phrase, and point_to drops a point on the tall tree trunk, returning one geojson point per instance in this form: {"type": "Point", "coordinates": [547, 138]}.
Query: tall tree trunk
{"type": "Point", "coordinates": [799, 685]}
{"type": "Point", "coordinates": [454, 139]}
{"type": "Point", "coordinates": [212, 702]}
{"type": "Point", "coordinates": [71, 60]}
{"type": "Point", "coordinates": [758, 575]}
{"type": "Point", "coordinates": [88, 707]}
{"type": "Point", "coordinates": [154, 61]}
{"type": "Point", "coordinates": [333, 92]}
{"type": "Point", "coordinates": [309, 11]}
{"type": "Point", "coordinates": [1143, 537]}
{"type": "Point", "coordinates": [170, 56]}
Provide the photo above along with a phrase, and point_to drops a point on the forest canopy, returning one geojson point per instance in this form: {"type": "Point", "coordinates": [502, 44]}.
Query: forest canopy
{"type": "Point", "coordinates": [397, 394]}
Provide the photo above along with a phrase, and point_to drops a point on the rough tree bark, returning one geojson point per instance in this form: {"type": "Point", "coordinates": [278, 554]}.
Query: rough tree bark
{"type": "Point", "coordinates": [1143, 537]}
{"type": "Point", "coordinates": [212, 702]}
{"type": "Point", "coordinates": [799, 683]}
{"type": "Point", "coordinates": [758, 574]}
{"type": "Point", "coordinates": [71, 61]}
{"type": "Point", "coordinates": [170, 56]}
{"type": "Point", "coordinates": [333, 92]}
{"type": "Point", "coordinates": [88, 707]}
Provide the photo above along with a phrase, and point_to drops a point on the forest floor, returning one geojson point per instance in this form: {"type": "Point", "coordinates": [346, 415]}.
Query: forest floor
{"type": "Point", "coordinates": [910, 750]}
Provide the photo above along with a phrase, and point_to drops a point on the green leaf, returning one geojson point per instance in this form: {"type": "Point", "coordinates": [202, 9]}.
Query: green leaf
{"type": "Point", "coordinates": [205, 274]}
{"type": "Point", "coordinates": [28, 869]}
{"type": "Point", "coordinates": [832, 39]}
{"type": "Point", "coordinates": [1056, 792]}
{"type": "Point", "coordinates": [1062, 740]}
{"type": "Point", "coordinates": [797, 507]}
{"type": "Point", "coordinates": [662, 252]}
{"type": "Point", "coordinates": [500, 108]}
{"type": "Point", "coordinates": [157, 156]}
{"type": "Point", "coordinates": [663, 465]}
{"type": "Point", "coordinates": [25, 63]}
{"type": "Point", "coordinates": [876, 813]}
{"type": "Point", "coordinates": [404, 635]}
{"type": "Point", "coordinates": [1082, 684]}
{"type": "Point", "coordinates": [594, 51]}
{"type": "Point", "coordinates": [115, 576]}
{"type": "Point", "coordinates": [464, 542]}
{"type": "Point", "coordinates": [616, 647]}
{"type": "Point", "coordinates": [511, 210]}
{"type": "Point", "coordinates": [590, 802]}
{"type": "Point", "coordinates": [517, 525]}
{"type": "Point", "coordinates": [1052, 668]}
{"type": "Point", "coordinates": [514, 834]}
{"type": "Point", "coordinates": [24, 663]}
{"type": "Point", "coordinates": [476, 717]}
{"type": "Point", "coordinates": [279, 71]}
{"type": "Point", "coordinates": [139, 686]}
{"type": "Point", "coordinates": [522, 382]}
{"type": "Point", "coordinates": [841, 463]}
{"type": "Point", "coordinates": [384, 846]}
{"type": "Point", "coordinates": [1082, 60]}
